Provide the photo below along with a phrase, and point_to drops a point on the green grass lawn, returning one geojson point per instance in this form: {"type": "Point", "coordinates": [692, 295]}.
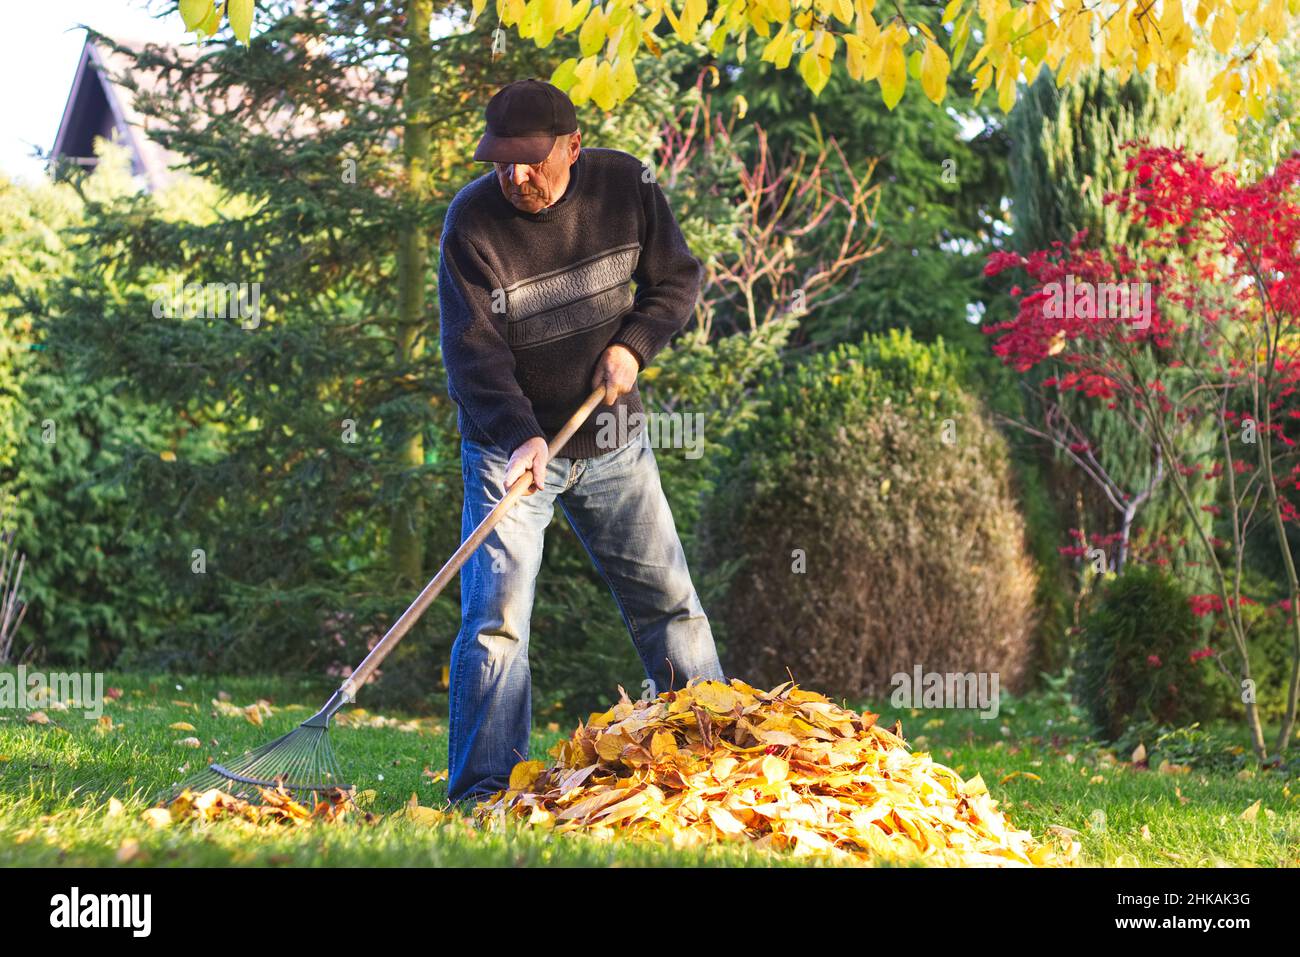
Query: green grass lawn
{"type": "Point", "coordinates": [56, 780]}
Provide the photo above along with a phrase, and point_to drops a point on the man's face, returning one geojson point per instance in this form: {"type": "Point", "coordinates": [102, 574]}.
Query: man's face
{"type": "Point", "coordinates": [533, 188]}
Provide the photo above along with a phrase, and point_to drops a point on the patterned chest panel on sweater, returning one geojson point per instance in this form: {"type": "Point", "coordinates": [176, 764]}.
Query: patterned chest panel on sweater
{"type": "Point", "coordinates": [564, 302]}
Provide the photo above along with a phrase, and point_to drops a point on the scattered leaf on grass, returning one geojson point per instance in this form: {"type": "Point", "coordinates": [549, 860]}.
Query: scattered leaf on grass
{"type": "Point", "coordinates": [189, 743]}
{"type": "Point", "coordinates": [1020, 774]}
{"type": "Point", "coordinates": [361, 718]}
{"type": "Point", "coordinates": [128, 851]}
{"type": "Point", "coordinates": [423, 815]}
{"type": "Point", "coordinates": [115, 807]}
{"type": "Point", "coordinates": [1252, 812]}
{"type": "Point", "coordinates": [277, 805]}
{"type": "Point", "coordinates": [157, 817]}
{"type": "Point", "coordinates": [181, 726]}
{"type": "Point", "coordinates": [253, 713]}
{"type": "Point", "coordinates": [38, 717]}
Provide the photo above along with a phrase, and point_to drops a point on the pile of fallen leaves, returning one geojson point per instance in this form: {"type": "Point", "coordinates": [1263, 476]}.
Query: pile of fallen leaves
{"type": "Point", "coordinates": [277, 805]}
{"type": "Point", "coordinates": [784, 769]}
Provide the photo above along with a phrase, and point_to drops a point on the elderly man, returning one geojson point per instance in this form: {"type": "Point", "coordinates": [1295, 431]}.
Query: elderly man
{"type": "Point", "coordinates": [537, 310]}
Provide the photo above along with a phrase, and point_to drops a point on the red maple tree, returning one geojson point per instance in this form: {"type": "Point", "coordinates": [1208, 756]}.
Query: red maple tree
{"type": "Point", "coordinates": [1197, 327]}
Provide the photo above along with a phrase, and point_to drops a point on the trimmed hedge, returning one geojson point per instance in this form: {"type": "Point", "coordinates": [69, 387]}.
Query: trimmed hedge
{"type": "Point", "coordinates": [870, 507]}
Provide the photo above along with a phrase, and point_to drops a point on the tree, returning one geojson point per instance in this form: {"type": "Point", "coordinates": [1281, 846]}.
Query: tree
{"type": "Point", "coordinates": [942, 173]}
{"type": "Point", "coordinates": [1065, 159]}
{"type": "Point", "coordinates": [1216, 347]}
{"type": "Point", "coordinates": [1012, 42]}
{"type": "Point", "coordinates": [91, 581]}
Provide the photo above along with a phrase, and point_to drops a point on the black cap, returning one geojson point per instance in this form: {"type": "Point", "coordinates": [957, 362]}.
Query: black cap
{"type": "Point", "coordinates": [523, 120]}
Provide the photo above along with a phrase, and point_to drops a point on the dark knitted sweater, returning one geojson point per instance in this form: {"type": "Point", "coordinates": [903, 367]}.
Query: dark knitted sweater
{"type": "Point", "coordinates": [529, 301]}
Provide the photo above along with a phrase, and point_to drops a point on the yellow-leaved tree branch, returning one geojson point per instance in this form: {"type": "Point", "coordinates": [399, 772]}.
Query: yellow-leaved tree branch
{"type": "Point", "coordinates": [1011, 41]}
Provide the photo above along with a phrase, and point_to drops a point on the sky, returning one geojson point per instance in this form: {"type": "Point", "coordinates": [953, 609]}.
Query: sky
{"type": "Point", "coordinates": [39, 49]}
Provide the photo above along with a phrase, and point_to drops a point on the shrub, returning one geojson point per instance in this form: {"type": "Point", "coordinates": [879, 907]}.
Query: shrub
{"type": "Point", "coordinates": [869, 507]}
{"type": "Point", "coordinates": [1206, 749]}
{"type": "Point", "coordinates": [1137, 656]}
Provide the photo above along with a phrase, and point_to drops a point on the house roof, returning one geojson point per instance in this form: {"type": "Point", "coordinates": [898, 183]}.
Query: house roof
{"type": "Point", "coordinates": [99, 105]}
{"type": "Point", "coordinates": [102, 102]}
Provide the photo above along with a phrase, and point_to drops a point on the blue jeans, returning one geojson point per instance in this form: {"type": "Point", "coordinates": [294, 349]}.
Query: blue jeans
{"type": "Point", "coordinates": [615, 504]}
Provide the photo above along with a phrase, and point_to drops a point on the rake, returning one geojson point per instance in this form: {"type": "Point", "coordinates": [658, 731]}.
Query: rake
{"type": "Point", "coordinates": [302, 762]}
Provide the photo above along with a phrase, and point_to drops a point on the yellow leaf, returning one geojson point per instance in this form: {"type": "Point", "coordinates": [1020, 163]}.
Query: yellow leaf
{"type": "Point", "coordinates": [167, 455]}
{"type": "Point", "coordinates": [663, 742]}
{"type": "Point", "coordinates": [1251, 812]}
{"type": "Point", "coordinates": [780, 48]}
{"type": "Point", "coordinates": [157, 817]}
{"type": "Point", "coordinates": [893, 75]}
{"type": "Point", "coordinates": [950, 11]}
{"type": "Point", "coordinates": [811, 69]}
{"type": "Point", "coordinates": [1224, 29]}
{"type": "Point", "coordinates": [934, 72]}
{"type": "Point", "coordinates": [1007, 89]}
{"type": "Point", "coordinates": [563, 77]}
{"type": "Point", "coordinates": [193, 12]}
{"type": "Point", "coordinates": [1019, 774]}
{"type": "Point", "coordinates": [716, 697]}
{"type": "Point", "coordinates": [775, 770]}
{"type": "Point", "coordinates": [524, 774]}
{"type": "Point", "coordinates": [181, 726]}
{"type": "Point", "coordinates": [241, 19]}
{"type": "Point", "coordinates": [577, 16]}
{"type": "Point", "coordinates": [602, 87]}
{"type": "Point", "coordinates": [592, 35]}
{"type": "Point", "coordinates": [212, 22]}
{"type": "Point", "coordinates": [624, 79]}
{"type": "Point", "coordinates": [715, 43]}
{"type": "Point", "coordinates": [423, 815]}
{"type": "Point", "coordinates": [725, 821]}
{"type": "Point", "coordinates": [685, 27]}
{"type": "Point", "coordinates": [610, 746]}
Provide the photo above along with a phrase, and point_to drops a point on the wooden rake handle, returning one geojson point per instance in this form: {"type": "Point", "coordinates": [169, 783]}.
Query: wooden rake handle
{"type": "Point", "coordinates": [448, 571]}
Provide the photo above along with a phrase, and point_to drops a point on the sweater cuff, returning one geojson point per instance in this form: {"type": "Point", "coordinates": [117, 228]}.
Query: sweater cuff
{"type": "Point", "coordinates": [639, 340]}
{"type": "Point", "coordinates": [512, 433]}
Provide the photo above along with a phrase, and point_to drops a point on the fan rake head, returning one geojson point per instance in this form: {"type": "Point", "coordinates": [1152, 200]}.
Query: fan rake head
{"type": "Point", "coordinates": [301, 763]}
